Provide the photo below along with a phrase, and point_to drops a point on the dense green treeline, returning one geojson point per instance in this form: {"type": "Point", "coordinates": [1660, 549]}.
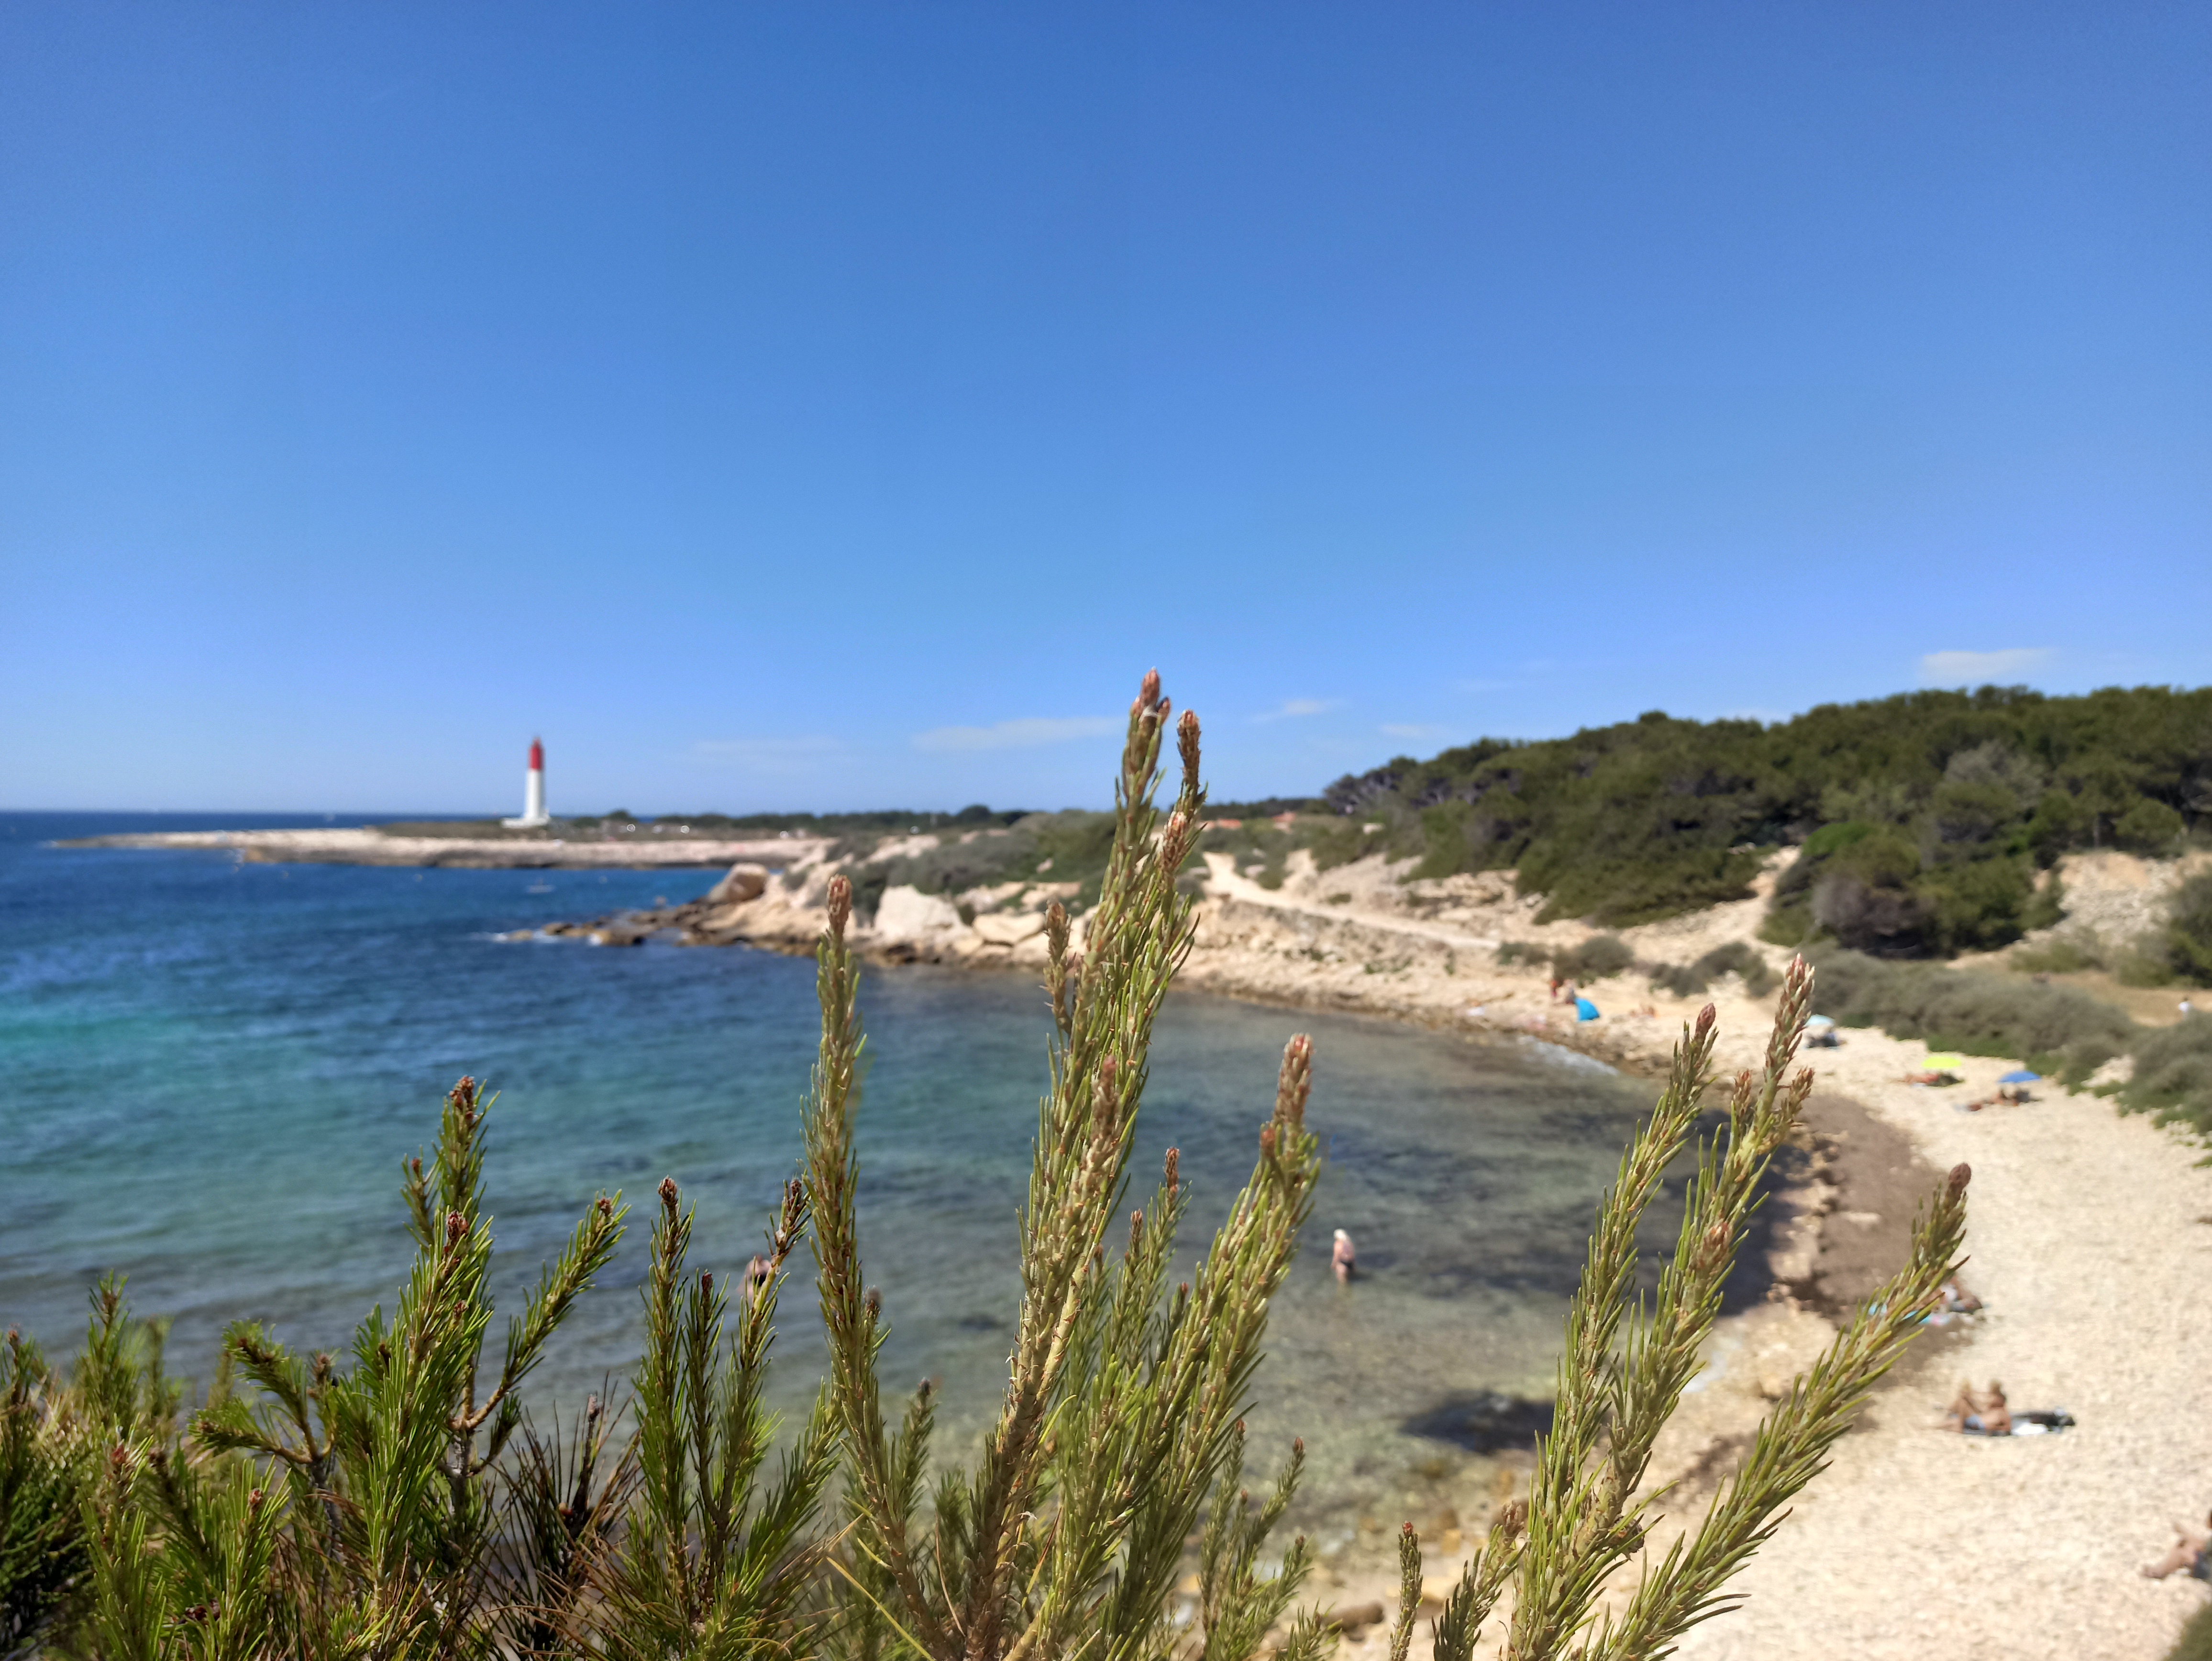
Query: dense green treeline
{"type": "Point", "coordinates": [1923, 821]}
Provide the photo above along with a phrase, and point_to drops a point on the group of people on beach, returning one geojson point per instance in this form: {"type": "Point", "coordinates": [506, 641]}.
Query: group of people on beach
{"type": "Point", "coordinates": [1986, 1412]}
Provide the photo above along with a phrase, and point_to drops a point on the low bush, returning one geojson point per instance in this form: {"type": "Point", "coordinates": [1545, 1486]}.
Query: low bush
{"type": "Point", "coordinates": [2065, 954]}
{"type": "Point", "coordinates": [1595, 958]}
{"type": "Point", "coordinates": [1975, 1011]}
{"type": "Point", "coordinates": [2194, 1643]}
{"type": "Point", "coordinates": [1688, 980]}
{"type": "Point", "coordinates": [2172, 1078]}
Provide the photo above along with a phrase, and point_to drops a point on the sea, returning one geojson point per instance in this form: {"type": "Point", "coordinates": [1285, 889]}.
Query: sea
{"type": "Point", "coordinates": [211, 1071]}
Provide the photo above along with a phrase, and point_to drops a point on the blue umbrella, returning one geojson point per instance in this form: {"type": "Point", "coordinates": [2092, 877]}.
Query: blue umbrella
{"type": "Point", "coordinates": [1585, 1010]}
{"type": "Point", "coordinates": [2021, 1076]}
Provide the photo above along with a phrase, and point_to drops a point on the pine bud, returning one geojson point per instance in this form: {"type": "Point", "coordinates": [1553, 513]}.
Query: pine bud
{"type": "Point", "coordinates": [1955, 1184]}
{"type": "Point", "coordinates": [1713, 1249]}
{"type": "Point", "coordinates": [669, 1195]}
{"type": "Point", "coordinates": [841, 904]}
{"type": "Point", "coordinates": [706, 1284]}
{"type": "Point", "coordinates": [1706, 1017]}
{"type": "Point", "coordinates": [604, 1207]}
{"type": "Point", "coordinates": [873, 1303]}
{"type": "Point", "coordinates": [1187, 746]}
{"type": "Point", "coordinates": [1168, 1179]}
{"type": "Point", "coordinates": [1148, 693]}
{"type": "Point", "coordinates": [456, 1226]}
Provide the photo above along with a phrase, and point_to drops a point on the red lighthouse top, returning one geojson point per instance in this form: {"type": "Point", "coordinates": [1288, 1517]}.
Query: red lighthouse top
{"type": "Point", "coordinates": [536, 757]}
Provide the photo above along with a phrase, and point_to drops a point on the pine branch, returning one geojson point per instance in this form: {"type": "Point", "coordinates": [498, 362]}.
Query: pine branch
{"type": "Point", "coordinates": [1793, 1443]}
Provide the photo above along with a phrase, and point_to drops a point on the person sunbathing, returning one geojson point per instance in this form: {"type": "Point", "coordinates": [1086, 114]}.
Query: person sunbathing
{"type": "Point", "coordinates": [1965, 1406]}
{"type": "Point", "coordinates": [1957, 1301]}
{"type": "Point", "coordinates": [2191, 1555]}
{"type": "Point", "coordinates": [1986, 1415]}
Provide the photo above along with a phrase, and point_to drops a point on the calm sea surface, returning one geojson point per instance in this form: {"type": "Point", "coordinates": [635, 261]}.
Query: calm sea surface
{"type": "Point", "coordinates": [209, 1073]}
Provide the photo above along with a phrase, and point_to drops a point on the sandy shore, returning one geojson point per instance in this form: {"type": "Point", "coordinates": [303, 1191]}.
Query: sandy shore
{"type": "Point", "coordinates": [2090, 1235]}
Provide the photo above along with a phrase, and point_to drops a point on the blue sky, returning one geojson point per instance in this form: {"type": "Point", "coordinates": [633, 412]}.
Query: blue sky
{"type": "Point", "coordinates": [839, 406]}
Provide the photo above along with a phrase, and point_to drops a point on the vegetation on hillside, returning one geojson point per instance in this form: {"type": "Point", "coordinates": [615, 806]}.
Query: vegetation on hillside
{"type": "Point", "coordinates": [396, 1503]}
{"type": "Point", "coordinates": [2059, 1029]}
{"type": "Point", "coordinates": [1921, 821]}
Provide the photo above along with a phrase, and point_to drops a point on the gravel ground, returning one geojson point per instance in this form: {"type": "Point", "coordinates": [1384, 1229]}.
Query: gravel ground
{"type": "Point", "coordinates": [2090, 1237]}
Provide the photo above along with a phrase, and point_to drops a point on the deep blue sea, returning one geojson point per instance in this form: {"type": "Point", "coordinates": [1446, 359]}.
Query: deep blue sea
{"type": "Point", "coordinates": [210, 1071]}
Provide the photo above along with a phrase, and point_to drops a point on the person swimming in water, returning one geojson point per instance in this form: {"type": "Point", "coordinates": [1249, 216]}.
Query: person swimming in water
{"type": "Point", "coordinates": [1342, 1257]}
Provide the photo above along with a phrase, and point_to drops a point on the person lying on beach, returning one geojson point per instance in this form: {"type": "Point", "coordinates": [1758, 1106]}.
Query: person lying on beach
{"type": "Point", "coordinates": [2191, 1555]}
{"type": "Point", "coordinates": [1930, 1077]}
{"type": "Point", "coordinates": [2013, 1094]}
{"type": "Point", "coordinates": [1342, 1257]}
{"type": "Point", "coordinates": [1957, 1301]}
{"type": "Point", "coordinates": [1990, 1415]}
{"type": "Point", "coordinates": [1955, 1304]}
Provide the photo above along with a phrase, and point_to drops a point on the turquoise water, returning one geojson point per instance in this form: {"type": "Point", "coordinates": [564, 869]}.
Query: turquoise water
{"type": "Point", "coordinates": [210, 1071]}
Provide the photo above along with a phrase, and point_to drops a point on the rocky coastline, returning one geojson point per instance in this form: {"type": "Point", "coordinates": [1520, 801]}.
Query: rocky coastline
{"type": "Point", "coordinates": [2085, 1234]}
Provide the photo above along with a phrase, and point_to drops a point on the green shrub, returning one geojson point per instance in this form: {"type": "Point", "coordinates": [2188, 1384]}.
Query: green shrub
{"type": "Point", "coordinates": [2173, 1074]}
{"type": "Point", "coordinates": [2066, 954]}
{"type": "Point", "coordinates": [1967, 791]}
{"type": "Point", "coordinates": [2194, 1643]}
{"type": "Point", "coordinates": [2188, 931]}
{"type": "Point", "coordinates": [1971, 1011]}
{"type": "Point", "coordinates": [1595, 958]}
{"type": "Point", "coordinates": [2148, 827]}
{"type": "Point", "coordinates": [1688, 980]}
{"type": "Point", "coordinates": [2144, 964]}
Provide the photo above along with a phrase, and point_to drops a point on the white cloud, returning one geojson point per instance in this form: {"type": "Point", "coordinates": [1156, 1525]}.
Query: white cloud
{"type": "Point", "coordinates": [1022, 734]}
{"type": "Point", "coordinates": [796, 755]}
{"type": "Point", "coordinates": [1293, 708]}
{"type": "Point", "coordinates": [1414, 733]}
{"type": "Point", "coordinates": [1982, 668]}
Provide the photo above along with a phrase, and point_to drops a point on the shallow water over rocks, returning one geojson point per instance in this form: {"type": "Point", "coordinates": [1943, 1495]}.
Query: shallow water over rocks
{"type": "Point", "coordinates": [210, 1071]}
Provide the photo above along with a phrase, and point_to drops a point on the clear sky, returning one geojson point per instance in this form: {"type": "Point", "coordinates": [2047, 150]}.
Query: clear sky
{"type": "Point", "coordinates": [835, 406]}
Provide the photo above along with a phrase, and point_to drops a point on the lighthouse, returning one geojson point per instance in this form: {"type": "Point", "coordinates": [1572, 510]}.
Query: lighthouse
{"type": "Point", "coordinates": [533, 793]}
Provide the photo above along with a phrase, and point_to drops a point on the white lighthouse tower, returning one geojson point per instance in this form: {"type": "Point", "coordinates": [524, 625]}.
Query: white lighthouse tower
{"type": "Point", "coordinates": [533, 793]}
